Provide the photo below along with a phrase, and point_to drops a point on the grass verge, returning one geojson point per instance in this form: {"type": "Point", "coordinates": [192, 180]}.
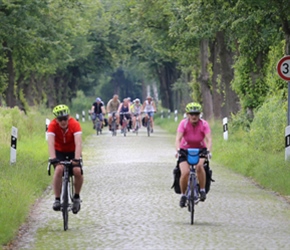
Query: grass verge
{"type": "Point", "coordinates": [24, 181]}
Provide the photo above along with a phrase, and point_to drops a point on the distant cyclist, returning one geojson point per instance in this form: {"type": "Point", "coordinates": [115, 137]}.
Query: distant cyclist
{"type": "Point", "coordinates": [149, 109]}
{"type": "Point", "coordinates": [192, 132]}
{"type": "Point", "coordinates": [112, 106]}
{"type": "Point", "coordinates": [98, 109]}
{"type": "Point", "coordinates": [65, 143]}
{"type": "Point", "coordinates": [124, 108]}
{"type": "Point", "coordinates": [136, 109]}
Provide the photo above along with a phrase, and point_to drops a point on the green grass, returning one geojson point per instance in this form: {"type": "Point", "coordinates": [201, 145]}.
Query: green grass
{"type": "Point", "coordinates": [24, 181]}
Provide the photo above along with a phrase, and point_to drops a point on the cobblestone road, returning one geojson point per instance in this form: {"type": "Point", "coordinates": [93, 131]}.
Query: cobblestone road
{"type": "Point", "coordinates": [128, 204]}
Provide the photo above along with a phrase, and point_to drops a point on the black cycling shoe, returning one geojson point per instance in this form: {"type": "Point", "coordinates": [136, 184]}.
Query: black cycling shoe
{"type": "Point", "coordinates": [56, 205]}
{"type": "Point", "coordinates": [182, 201]}
{"type": "Point", "coordinates": [202, 196]}
{"type": "Point", "coordinates": [76, 205]}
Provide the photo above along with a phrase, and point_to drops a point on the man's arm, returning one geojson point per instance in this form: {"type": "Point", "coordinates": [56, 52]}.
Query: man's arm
{"type": "Point", "coordinates": [78, 143]}
{"type": "Point", "coordinates": [108, 106]}
{"type": "Point", "coordinates": [51, 148]}
{"type": "Point", "coordinates": [93, 109]}
{"type": "Point", "coordinates": [103, 110]}
{"type": "Point", "coordinates": [155, 110]}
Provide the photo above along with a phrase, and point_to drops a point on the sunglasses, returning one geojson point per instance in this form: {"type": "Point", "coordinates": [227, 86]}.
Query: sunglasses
{"type": "Point", "coordinates": [64, 118]}
{"type": "Point", "coordinates": [194, 114]}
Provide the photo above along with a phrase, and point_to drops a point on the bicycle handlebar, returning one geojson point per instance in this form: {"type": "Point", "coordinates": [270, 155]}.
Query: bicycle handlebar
{"type": "Point", "coordinates": [67, 163]}
{"type": "Point", "coordinates": [184, 152]}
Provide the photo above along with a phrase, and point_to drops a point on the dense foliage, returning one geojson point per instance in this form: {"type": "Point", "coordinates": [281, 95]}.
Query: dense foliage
{"type": "Point", "coordinates": [215, 51]}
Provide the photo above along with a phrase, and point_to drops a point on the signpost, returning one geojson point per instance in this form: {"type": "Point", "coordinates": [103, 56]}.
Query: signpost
{"type": "Point", "coordinates": [283, 69]}
{"type": "Point", "coordinates": [225, 128]}
{"type": "Point", "coordinates": [14, 133]}
{"type": "Point", "coordinates": [47, 121]}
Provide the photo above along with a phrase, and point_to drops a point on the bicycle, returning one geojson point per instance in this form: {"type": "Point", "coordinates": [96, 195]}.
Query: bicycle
{"type": "Point", "coordinates": [114, 124]}
{"type": "Point", "coordinates": [124, 122]}
{"type": "Point", "coordinates": [148, 123]}
{"type": "Point", "coordinates": [67, 191]}
{"type": "Point", "coordinates": [137, 123]}
{"type": "Point", "coordinates": [98, 124]}
{"type": "Point", "coordinates": [192, 191]}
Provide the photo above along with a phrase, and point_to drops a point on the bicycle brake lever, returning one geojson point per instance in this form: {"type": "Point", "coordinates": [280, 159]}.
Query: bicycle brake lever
{"type": "Point", "coordinates": [48, 168]}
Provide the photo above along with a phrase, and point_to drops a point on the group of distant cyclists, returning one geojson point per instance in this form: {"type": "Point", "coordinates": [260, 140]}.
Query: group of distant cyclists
{"type": "Point", "coordinates": [65, 142]}
{"type": "Point", "coordinates": [131, 110]}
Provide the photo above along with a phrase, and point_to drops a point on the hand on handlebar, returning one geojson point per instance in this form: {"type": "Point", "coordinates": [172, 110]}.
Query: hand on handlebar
{"type": "Point", "coordinates": [209, 155]}
{"type": "Point", "coordinates": [54, 161]}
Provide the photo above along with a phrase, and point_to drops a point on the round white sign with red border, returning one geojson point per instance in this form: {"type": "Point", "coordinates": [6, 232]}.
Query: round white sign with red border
{"type": "Point", "coordinates": [283, 68]}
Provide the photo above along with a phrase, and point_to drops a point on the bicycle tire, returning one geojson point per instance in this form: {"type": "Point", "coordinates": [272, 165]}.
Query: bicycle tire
{"type": "Point", "coordinates": [65, 205]}
{"type": "Point", "coordinates": [148, 127]}
{"type": "Point", "coordinates": [137, 128]}
{"type": "Point", "coordinates": [191, 202]}
{"type": "Point", "coordinates": [113, 127]}
{"type": "Point", "coordinates": [124, 127]}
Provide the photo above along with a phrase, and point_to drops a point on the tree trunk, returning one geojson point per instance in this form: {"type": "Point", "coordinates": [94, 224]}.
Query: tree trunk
{"type": "Point", "coordinates": [205, 81]}
{"type": "Point", "coordinates": [9, 93]}
{"type": "Point", "coordinates": [231, 100]}
{"type": "Point", "coordinates": [217, 93]}
{"type": "Point", "coordinates": [168, 75]}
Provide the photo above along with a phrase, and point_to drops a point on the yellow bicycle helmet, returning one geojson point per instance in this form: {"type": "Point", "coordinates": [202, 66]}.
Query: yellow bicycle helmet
{"type": "Point", "coordinates": [60, 110]}
{"type": "Point", "coordinates": [193, 107]}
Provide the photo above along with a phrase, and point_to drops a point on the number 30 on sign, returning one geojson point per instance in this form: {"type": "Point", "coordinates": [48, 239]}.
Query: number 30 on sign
{"type": "Point", "coordinates": [283, 68]}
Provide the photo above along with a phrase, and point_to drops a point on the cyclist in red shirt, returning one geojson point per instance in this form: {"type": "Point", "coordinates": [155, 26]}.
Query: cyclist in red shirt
{"type": "Point", "coordinates": [65, 143]}
{"type": "Point", "coordinates": [192, 132]}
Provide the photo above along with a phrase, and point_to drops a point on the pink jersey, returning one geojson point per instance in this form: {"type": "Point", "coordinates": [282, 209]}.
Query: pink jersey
{"type": "Point", "coordinates": [193, 136]}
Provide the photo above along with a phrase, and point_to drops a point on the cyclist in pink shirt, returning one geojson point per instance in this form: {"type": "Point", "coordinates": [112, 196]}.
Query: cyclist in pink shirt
{"type": "Point", "coordinates": [192, 132]}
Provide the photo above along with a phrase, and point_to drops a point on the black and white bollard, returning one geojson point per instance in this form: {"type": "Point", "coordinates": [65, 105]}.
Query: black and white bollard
{"type": "Point", "coordinates": [77, 117]}
{"type": "Point", "coordinates": [168, 115]}
{"type": "Point", "coordinates": [287, 143]}
{"type": "Point", "coordinates": [175, 115]}
{"type": "Point", "coordinates": [89, 116]}
{"type": "Point", "coordinates": [225, 128]}
{"type": "Point", "coordinates": [83, 116]}
{"type": "Point", "coordinates": [162, 115]}
{"type": "Point", "coordinates": [14, 133]}
{"type": "Point", "coordinates": [47, 121]}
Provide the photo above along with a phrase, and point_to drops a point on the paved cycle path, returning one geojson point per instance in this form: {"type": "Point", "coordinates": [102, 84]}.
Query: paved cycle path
{"type": "Point", "coordinates": [128, 204]}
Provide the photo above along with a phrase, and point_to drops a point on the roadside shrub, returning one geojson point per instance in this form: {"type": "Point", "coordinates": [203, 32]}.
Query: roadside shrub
{"type": "Point", "coordinates": [268, 126]}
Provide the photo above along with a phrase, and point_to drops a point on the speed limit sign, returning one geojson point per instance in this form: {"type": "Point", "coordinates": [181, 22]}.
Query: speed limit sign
{"type": "Point", "coordinates": [283, 68]}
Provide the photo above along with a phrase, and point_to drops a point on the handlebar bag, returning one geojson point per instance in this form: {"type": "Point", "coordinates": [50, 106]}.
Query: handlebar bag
{"type": "Point", "coordinates": [193, 156]}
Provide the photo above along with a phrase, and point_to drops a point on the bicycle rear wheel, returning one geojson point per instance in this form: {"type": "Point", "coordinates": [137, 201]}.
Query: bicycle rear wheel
{"type": "Point", "coordinates": [65, 205]}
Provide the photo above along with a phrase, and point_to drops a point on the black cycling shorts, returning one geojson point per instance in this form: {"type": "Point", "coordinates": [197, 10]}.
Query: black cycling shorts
{"type": "Point", "coordinates": [67, 156]}
{"type": "Point", "coordinates": [183, 154]}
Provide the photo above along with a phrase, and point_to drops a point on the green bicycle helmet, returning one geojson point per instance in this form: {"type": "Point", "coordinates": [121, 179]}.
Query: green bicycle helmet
{"type": "Point", "coordinates": [60, 110]}
{"type": "Point", "coordinates": [193, 107]}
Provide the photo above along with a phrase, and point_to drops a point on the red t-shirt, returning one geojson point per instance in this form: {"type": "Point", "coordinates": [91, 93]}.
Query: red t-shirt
{"type": "Point", "coordinates": [64, 140]}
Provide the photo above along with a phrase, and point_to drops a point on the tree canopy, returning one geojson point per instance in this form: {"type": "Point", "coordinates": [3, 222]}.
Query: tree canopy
{"type": "Point", "coordinates": [217, 52]}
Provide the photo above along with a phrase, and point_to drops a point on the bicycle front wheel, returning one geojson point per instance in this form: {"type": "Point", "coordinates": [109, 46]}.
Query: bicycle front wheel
{"type": "Point", "coordinates": [191, 202]}
{"type": "Point", "coordinates": [65, 205]}
{"type": "Point", "coordinates": [114, 127]}
{"type": "Point", "coordinates": [148, 127]}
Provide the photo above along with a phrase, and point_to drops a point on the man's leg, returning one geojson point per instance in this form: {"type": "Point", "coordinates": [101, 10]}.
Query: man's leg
{"type": "Point", "coordinates": [78, 185]}
{"type": "Point", "coordinates": [57, 182]}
